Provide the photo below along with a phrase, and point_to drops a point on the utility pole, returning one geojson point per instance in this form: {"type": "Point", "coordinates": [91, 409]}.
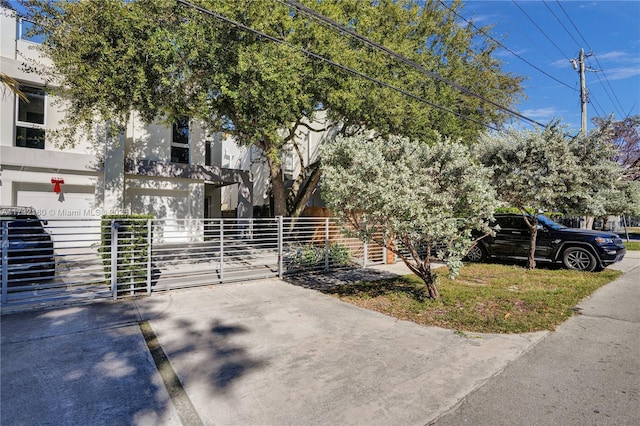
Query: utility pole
{"type": "Point", "coordinates": [583, 94]}
{"type": "Point", "coordinates": [579, 65]}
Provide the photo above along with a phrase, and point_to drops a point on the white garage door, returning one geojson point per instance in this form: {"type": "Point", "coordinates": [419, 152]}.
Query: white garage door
{"type": "Point", "coordinates": [72, 220]}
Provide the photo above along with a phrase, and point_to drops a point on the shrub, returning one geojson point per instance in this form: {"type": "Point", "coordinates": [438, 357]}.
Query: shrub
{"type": "Point", "coordinates": [133, 249]}
{"type": "Point", "coordinates": [339, 254]}
{"type": "Point", "coordinates": [310, 255]}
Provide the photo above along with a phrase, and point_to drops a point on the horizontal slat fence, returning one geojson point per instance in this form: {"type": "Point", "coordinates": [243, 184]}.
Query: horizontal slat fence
{"type": "Point", "coordinates": [118, 258]}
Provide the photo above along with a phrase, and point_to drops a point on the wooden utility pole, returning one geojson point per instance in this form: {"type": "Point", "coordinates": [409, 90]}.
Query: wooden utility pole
{"type": "Point", "coordinates": [583, 94]}
{"type": "Point", "coordinates": [578, 64]}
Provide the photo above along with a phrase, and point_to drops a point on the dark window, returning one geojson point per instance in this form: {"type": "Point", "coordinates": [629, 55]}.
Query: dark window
{"type": "Point", "coordinates": [511, 222]}
{"type": "Point", "coordinates": [28, 137]}
{"type": "Point", "coordinates": [30, 118]}
{"type": "Point", "coordinates": [180, 141]}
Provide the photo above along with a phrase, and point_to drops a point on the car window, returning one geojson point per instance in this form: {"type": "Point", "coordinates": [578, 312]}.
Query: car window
{"type": "Point", "coordinates": [549, 223]}
{"type": "Point", "coordinates": [511, 222]}
{"type": "Point", "coordinates": [23, 224]}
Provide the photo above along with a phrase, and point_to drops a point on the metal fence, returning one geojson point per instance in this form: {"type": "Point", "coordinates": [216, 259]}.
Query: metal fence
{"type": "Point", "coordinates": [63, 262]}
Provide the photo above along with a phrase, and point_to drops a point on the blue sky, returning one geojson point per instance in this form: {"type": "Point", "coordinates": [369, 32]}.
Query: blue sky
{"type": "Point", "coordinates": [544, 34]}
{"type": "Point", "coordinates": [541, 38]}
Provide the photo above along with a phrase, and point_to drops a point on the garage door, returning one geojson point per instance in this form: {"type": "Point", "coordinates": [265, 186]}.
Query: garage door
{"type": "Point", "coordinates": [72, 220]}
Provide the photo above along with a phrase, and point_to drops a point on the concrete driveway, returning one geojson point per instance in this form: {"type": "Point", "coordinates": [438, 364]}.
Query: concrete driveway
{"type": "Point", "coordinates": [260, 353]}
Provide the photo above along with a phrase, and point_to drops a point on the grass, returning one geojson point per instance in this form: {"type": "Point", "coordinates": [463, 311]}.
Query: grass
{"type": "Point", "coordinates": [632, 245]}
{"type": "Point", "coordinates": [485, 298]}
{"type": "Point", "coordinates": [634, 233]}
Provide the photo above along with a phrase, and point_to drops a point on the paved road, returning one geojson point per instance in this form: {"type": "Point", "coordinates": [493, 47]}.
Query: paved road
{"type": "Point", "coordinates": [585, 373]}
{"type": "Point", "coordinates": [271, 353]}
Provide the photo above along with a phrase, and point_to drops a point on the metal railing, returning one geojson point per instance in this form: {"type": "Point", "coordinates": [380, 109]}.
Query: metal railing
{"type": "Point", "coordinates": [69, 261]}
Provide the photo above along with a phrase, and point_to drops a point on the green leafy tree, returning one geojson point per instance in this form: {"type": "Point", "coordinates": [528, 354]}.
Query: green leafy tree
{"type": "Point", "coordinates": [623, 140]}
{"type": "Point", "coordinates": [545, 170]}
{"type": "Point", "coordinates": [624, 135]}
{"type": "Point", "coordinates": [420, 200]}
{"type": "Point", "coordinates": [166, 60]}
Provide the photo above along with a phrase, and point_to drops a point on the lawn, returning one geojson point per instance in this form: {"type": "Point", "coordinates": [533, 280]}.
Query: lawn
{"type": "Point", "coordinates": [634, 235]}
{"type": "Point", "coordinates": [632, 245]}
{"type": "Point", "coordinates": [486, 298]}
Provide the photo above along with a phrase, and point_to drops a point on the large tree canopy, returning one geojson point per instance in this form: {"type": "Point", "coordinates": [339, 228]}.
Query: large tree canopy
{"type": "Point", "coordinates": [547, 171]}
{"type": "Point", "coordinates": [165, 59]}
{"type": "Point", "coordinates": [624, 135]}
{"type": "Point", "coordinates": [624, 138]}
{"type": "Point", "coordinates": [419, 200]}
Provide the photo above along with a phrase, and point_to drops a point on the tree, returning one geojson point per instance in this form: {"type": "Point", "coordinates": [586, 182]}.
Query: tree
{"type": "Point", "coordinates": [421, 200]}
{"type": "Point", "coordinates": [11, 86]}
{"type": "Point", "coordinates": [536, 171]}
{"type": "Point", "coordinates": [166, 60]}
{"type": "Point", "coordinates": [625, 137]}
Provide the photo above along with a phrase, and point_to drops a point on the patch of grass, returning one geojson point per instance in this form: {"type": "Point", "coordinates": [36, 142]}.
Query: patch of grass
{"type": "Point", "coordinates": [632, 245]}
{"type": "Point", "coordinates": [485, 298]}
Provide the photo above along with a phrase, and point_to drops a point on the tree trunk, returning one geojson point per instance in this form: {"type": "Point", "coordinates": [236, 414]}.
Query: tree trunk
{"type": "Point", "coordinates": [533, 229]}
{"type": "Point", "coordinates": [305, 193]}
{"type": "Point", "coordinates": [277, 187]}
{"type": "Point", "coordinates": [423, 271]}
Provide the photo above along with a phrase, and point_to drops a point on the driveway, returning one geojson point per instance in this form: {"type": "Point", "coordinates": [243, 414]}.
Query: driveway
{"type": "Point", "coordinates": [262, 352]}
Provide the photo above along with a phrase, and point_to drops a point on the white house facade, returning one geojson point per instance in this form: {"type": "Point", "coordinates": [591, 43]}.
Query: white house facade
{"type": "Point", "coordinates": [173, 172]}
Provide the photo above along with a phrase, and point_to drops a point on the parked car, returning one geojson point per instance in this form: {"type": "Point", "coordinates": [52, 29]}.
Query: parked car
{"type": "Point", "coordinates": [579, 249]}
{"type": "Point", "coordinates": [27, 245]}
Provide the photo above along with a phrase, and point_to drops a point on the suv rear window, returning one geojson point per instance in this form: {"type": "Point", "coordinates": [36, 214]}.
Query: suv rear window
{"type": "Point", "coordinates": [511, 222]}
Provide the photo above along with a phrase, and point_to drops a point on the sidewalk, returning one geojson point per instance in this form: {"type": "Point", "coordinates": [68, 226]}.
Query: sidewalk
{"type": "Point", "coordinates": [257, 353]}
{"type": "Point", "coordinates": [587, 372]}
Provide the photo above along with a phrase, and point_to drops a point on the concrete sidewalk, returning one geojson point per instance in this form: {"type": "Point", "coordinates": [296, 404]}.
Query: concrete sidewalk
{"type": "Point", "coordinates": [587, 372]}
{"type": "Point", "coordinates": [260, 353]}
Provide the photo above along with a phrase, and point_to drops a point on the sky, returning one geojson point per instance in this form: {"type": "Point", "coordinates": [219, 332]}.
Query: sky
{"type": "Point", "coordinates": [541, 37]}
{"type": "Point", "coordinates": [548, 34]}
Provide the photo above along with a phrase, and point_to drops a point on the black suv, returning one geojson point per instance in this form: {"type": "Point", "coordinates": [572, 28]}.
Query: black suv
{"type": "Point", "coordinates": [27, 248]}
{"type": "Point", "coordinates": [578, 249]}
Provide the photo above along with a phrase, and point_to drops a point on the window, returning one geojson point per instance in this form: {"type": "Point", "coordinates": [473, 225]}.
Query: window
{"type": "Point", "coordinates": [207, 153]}
{"type": "Point", "coordinates": [180, 141]}
{"type": "Point", "coordinates": [26, 32]}
{"type": "Point", "coordinates": [30, 118]}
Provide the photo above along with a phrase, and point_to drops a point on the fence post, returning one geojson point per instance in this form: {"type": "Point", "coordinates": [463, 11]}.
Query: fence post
{"type": "Point", "coordinates": [114, 258]}
{"type": "Point", "coordinates": [365, 254]}
{"type": "Point", "coordinates": [280, 234]}
{"type": "Point", "coordinates": [326, 244]}
{"type": "Point", "coordinates": [5, 260]}
{"type": "Point", "coordinates": [221, 249]}
{"type": "Point", "coordinates": [149, 241]}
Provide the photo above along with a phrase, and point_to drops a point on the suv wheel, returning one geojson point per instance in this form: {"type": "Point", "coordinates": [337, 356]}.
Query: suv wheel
{"type": "Point", "coordinates": [579, 259]}
{"type": "Point", "coordinates": [476, 254]}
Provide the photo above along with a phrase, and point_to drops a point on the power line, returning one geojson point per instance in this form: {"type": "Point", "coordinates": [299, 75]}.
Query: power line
{"type": "Point", "coordinates": [606, 91]}
{"type": "Point", "coordinates": [506, 48]}
{"type": "Point", "coordinates": [560, 22]}
{"type": "Point", "coordinates": [595, 57]}
{"type": "Point", "coordinates": [462, 89]}
{"type": "Point", "coordinates": [321, 58]}
{"type": "Point", "coordinates": [540, 29]}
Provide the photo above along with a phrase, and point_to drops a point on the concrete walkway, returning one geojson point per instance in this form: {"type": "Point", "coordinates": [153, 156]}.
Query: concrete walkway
{"type": "Point", "coordinates": [587, 372]}
{"type": "Point", "coordinates": [256, 353]}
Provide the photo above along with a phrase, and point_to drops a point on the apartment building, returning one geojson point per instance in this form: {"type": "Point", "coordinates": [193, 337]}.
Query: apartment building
{"type": "Point", "coordinates": [173, 172]}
